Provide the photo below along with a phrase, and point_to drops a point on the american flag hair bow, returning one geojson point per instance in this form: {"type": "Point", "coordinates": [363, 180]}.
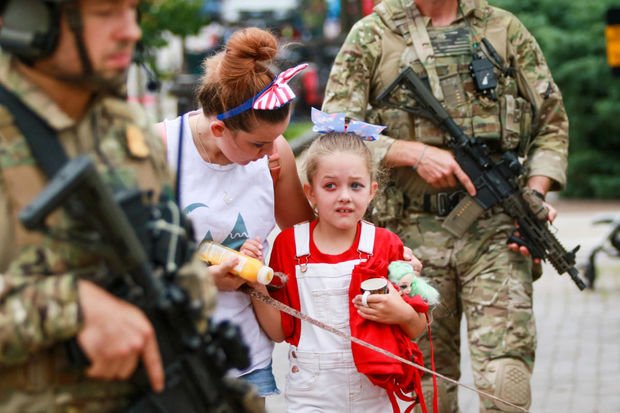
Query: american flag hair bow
{"type": "Point", "coordinates": [275, 95]}
{"type": "Point", "coordinates": [335, 122]}
{"type": "Point", "coordinates": [279, 92]}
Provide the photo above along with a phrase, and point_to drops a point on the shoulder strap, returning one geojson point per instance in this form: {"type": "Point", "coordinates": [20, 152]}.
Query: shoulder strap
{"type": "Point", "coordinates": [41, 138]}
{"type": "Point", "coordinates": [367, 238]}
{"type": "Point", "coordinates": [177, 183]}
{"type": "Point", "coordinates": [421, 41]}
{"type": "Point", "coordinates": [302, 239]}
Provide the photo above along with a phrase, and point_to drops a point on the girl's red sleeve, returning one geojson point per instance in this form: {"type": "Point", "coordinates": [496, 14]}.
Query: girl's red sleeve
{"type": "Point", "coordinates": [283, 260]}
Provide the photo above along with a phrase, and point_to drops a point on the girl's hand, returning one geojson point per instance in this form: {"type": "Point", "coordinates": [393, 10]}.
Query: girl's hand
{"type": "Point", "coordinates": [387, 308]}
{"type": "Point", "coordinates": [253, 248]}
{"type": "Point", "coordinates": [411, 259]}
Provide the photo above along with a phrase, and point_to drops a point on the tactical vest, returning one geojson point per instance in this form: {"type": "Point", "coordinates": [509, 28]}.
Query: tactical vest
{"type": "Point", "coordinates": [505, 123]}
{"type": "Point", "coordinates": [124, 156]}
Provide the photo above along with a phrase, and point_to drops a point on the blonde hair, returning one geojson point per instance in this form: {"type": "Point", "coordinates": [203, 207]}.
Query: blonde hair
{"type": "Point", "coordinates": [337, 142]}
{"type": "Point", "coordinates": [238, 73]}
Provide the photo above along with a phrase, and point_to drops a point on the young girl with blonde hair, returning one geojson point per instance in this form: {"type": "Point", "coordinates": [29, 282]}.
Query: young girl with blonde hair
{"type": "Point", "coordinates": [325, 261]}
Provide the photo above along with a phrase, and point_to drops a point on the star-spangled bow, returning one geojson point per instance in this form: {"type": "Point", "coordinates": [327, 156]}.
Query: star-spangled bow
{"type": "Point", "coordinates": [335, 122]}
{"type": "Point", "coordinates": [275, 95]}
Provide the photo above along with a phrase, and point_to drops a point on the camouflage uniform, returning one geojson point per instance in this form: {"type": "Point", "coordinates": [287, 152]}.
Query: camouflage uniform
{"type": "Point", "coordinates": [38, 293]}
{"type": "Point", "coordinates": [477, 275]}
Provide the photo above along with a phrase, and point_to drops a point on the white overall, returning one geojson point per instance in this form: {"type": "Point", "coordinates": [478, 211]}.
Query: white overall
{"type": "Point", "coordinates": [322, 376]}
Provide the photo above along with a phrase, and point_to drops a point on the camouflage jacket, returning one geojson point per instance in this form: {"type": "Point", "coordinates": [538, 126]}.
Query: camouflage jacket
{"type": "Point", "coordinates": [38, 294]}
{"type": "Point", "coordinates": [529, 111]}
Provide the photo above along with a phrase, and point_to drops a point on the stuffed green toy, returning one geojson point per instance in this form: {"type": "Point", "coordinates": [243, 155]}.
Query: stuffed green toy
{"type": "Point", "coordinates": [409, 282]}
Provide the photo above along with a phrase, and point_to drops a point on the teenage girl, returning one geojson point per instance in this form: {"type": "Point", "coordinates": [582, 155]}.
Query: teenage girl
{"type": "Point", "coordinates": [319, 257]}
{"type": "Point", "coordinates": [236, 174]}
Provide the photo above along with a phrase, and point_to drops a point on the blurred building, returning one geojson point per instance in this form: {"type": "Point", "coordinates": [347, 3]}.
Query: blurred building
{"type": "Point", "coordinates": [259, 12]}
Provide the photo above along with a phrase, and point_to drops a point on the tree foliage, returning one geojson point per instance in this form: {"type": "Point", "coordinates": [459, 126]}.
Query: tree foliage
{"type": "Point", "coordinates": [572, 37]}
{"type": "Point", "coordinates": [179, 17]}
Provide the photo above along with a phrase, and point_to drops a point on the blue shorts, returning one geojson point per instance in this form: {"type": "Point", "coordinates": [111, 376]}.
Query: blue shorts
{"type": "Point", "coordinates": [263, 380]}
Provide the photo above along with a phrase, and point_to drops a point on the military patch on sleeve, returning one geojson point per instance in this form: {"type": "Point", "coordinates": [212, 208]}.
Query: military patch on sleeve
{"type": "Point", "coordinates": [136, 143]}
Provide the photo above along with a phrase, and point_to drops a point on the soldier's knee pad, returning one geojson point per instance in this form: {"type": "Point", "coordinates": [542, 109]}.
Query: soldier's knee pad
{"type": "Point", "coordinates": [511, 381]}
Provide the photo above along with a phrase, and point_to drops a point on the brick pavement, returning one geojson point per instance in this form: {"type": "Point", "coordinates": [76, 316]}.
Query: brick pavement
{"type": "Point", "coordinates": [578, 357]}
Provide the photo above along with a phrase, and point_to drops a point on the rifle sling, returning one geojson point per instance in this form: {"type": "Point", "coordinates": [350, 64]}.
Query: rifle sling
{"type": "Point", "coordinates": [416, 35]}
{"type": "Point", "coordinates": [41, 138]}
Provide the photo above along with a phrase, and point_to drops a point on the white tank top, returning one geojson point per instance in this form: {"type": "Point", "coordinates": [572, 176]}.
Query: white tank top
{"type": "Point", "coordinates": [227, 204]}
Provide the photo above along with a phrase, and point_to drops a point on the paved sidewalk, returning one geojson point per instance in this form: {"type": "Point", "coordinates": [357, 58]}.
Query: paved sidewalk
{"type": "Point", "coordinates": [578, 357]}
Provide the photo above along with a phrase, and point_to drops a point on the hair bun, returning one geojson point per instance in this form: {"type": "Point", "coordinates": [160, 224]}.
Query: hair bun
{"type": "Point", "coordinates": [251, 44]}
{"type": "Point", "coordinates": [239, 72]}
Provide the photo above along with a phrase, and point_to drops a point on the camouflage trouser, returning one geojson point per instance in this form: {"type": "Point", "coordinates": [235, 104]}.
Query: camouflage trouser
{"type": "Point", "coordinates": [61, 401]}
{"type": "Point", "coordinates": [48, 384]}
{"type": "Point", "coordinates": [478, 277]}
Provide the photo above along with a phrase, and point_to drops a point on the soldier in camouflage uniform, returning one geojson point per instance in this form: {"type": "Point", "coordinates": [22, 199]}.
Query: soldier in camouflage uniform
{"type": "Point", "coordinates": [478, 275]}
{"type": "Point", "coordinates": [49, 289]}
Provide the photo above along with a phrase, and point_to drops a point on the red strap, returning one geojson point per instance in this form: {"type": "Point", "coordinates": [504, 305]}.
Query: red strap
{"type": "Point", "coordinates": [430, 342]}
{"type": "Point", "coordinates": [420, 396]}
{"type": "Point", "coordinates": [393, 392]}
{"type": "Point", "coordinates": [392, 397]}
{"type": "Point", "coordinates": [396, 392]}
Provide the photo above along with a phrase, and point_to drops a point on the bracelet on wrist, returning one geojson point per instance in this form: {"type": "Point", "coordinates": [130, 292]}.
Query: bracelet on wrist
{"type": "Point", "coordinates": [419, 162]}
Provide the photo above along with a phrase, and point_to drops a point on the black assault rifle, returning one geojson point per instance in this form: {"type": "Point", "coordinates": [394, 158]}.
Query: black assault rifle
{"type": "Point", "coordinates": [144, 244]}
{"type": "Point", "coordinates": [496, 182]}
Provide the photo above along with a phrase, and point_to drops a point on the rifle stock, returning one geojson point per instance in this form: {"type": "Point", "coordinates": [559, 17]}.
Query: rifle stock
{"type": "Point", "coordinates": [78, 188]}
{"type": "Point", "coordinates": [195, 363]}
{"type": "Point", "coordinates": [496, 182]}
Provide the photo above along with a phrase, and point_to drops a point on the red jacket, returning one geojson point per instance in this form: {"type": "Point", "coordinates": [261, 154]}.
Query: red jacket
{"type": "Point", "coordinates": [399, 379]}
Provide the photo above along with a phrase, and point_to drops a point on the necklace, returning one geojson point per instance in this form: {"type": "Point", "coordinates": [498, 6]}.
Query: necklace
{"type": "Point", "coordinates": [197, 135]}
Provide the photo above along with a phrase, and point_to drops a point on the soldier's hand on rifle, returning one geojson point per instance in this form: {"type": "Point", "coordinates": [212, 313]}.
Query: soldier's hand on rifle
{"type": "Point", "coordinates": [223, 278]}
{"type": "Point", "coordinates": [116, 336]}
{"type": "Point", "coordinates": [436, 166]}
{"type": "Point", "coordinates": [534, 195]}
{"type": "Point", "coordinates": [553, 213]}
{"type": "Point", "coordinates": [439, 168]}
{"type": "Point", "coordinates": [523, 249]}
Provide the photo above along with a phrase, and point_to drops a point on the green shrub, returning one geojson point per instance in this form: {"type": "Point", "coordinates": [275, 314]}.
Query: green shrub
{"type": "Point", "coordinates": [572, 37]}
{"type": "Point", "coordinates": [297, 129]}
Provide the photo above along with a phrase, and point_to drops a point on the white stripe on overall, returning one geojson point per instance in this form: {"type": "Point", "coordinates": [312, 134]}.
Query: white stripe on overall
{"type": "Point", "coordinates": [322, 376]}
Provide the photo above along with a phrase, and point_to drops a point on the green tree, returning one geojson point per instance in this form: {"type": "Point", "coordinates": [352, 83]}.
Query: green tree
{"type": "Point", "coordinates": [179, 17]}
{"type": "Point", "coordinates": [571, 35]}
